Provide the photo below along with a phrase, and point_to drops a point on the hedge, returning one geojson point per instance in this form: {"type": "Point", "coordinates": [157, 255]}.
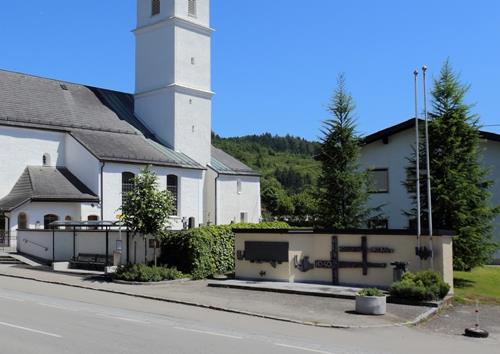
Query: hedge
{"type": "Point", "coordinates": [144, 273]}
{"type": "Point", "coordinates": [420, 286]}
{"type": "Point", "coordinates": [207, 250]}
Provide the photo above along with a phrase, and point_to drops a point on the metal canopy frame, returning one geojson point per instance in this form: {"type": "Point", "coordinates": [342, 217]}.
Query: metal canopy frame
{"type": "Point", "coordinates": [87, 226]}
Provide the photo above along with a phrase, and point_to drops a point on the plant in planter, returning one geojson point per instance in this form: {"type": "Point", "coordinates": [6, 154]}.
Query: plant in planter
{"type": "Point", "coordinates": [371, 302]}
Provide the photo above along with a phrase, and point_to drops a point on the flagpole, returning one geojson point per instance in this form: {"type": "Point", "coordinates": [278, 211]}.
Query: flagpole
{"type": "Point", "coordinates": [427, 157]}
{"type": "Point", "coordinates": [417, 160]}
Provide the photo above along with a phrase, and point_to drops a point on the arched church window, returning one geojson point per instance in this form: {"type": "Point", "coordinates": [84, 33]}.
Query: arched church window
{"type": "Point", "coordinates": [192, 8]}
{"type": "Point", "coordinates": [22, 221]}
{"type": "Point", "coordinates": [155, 7]}
{"type": "Point", "coordinates": [127, 183]}
{"type": "Point", "coordinates": [46, 159]}
{"type": "Point", "coordinates": [48, 219]}
{"type": "Point", "coordinates": [173, 188]}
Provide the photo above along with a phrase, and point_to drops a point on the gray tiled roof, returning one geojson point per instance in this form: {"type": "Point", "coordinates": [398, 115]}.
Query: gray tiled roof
{"type": "Point", "coordinates": [225, 164]}
{"type": "Point", "coordinates": [102, 120]}
{"type": "Point", "coordinates": [47, 184]}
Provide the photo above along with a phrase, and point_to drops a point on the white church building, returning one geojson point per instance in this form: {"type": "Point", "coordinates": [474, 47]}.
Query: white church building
{"type": "Point", "coordinates": [384, 154]}
{"type": "Point", "coordinates": [69, 151]}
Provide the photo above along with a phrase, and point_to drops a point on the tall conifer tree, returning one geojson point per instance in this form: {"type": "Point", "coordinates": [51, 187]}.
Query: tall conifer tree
{"type": "Point", "coordinates": [460, 184]}
{"type": "Point", "coordinates": [342, 186]}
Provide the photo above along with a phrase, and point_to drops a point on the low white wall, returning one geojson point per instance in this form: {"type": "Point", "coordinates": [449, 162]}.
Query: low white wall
{"type": "Point", "coordinates": [38, 243]}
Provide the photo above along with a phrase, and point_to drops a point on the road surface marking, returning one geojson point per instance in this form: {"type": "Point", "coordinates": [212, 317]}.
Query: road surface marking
{"type": "Point", "coordinates": [57, 307]}
{"type": "Point", "coordinates": [11, 298]}
{"type": "Point", "coordinates": [30, 329]}
{"type": "Point", "coordinates": [121, 318]}
{"type": "Point", "coordinates": [302, 348]}
{"type": "Point", "coordinates": [208, 332]}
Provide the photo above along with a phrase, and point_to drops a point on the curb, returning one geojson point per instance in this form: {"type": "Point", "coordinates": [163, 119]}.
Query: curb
{"type": "Point", "coordinates": [164, 282]}
{"type": "Point", "coordinates": [415, 322]}
{"type": "Point", "coordinates": [390, 299]}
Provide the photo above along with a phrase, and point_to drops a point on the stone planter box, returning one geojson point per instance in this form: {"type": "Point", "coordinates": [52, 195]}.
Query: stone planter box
{"type": "Point", "coordinates": [371, 305]}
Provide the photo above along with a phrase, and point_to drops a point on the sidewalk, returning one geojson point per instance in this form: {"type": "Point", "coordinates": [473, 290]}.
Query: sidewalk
{"type": "Point", "coordinates": [303, 309]}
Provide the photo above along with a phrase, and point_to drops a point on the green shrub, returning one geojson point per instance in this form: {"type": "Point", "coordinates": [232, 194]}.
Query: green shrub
{"type": "Point", "coordinates": [421, 286]}
{"type": "Point", "coordinates": [371, 292]}
{"type": "Point", "coordinates": [144, 273]}
{"type": "Point", "coordinates": [207, 250]}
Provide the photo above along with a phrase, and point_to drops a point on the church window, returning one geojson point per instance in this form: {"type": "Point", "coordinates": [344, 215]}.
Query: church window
{"type": "Point", "coordinates": [46, 160]}
{"type": "Point", "coordinates": [155, 7]}
{"type": "Point", "coordinates": [127, 183]}
{"type": "Point", "coordinates": [22, 221]}
{"type": "Point", "coordinates": [48, 219]}
{"type": "Point", "coordinates": [173, 188]}
{"type": "Point", "coordinates": [192, 8]}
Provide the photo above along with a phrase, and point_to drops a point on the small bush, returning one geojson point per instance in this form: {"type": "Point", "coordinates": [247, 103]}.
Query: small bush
{"type": "Point", "coordinates": [207, 250]}
{"type": "Point", "coordinates": [421, 286]}
{"type": "Point", "coordinates": [143, 273]}
{"type": "Point", "coordinates": [371, 292]}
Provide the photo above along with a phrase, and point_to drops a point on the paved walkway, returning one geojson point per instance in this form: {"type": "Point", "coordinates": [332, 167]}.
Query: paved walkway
{"type": "Point", "coordinates": [315, 310]}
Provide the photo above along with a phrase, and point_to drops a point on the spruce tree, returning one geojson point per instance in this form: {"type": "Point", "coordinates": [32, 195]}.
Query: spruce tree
{"type": "Point", "coordinates": [342, 186]}
{"type": "Point", "coordinates": [460, 184]}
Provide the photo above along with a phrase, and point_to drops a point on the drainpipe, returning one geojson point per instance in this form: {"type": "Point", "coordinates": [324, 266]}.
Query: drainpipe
{"type": "Point", "coordinates": [8, 227]}
{"type": "Point", "coordinates": [102, 190]}
{"type": "Point", "coordinates": [216, 179]}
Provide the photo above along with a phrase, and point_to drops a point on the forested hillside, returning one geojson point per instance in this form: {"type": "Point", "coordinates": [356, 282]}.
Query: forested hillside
{"type": "Point", "coordinates": [288, 169]}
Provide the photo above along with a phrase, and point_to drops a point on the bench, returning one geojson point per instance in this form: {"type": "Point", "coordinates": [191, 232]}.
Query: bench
{"type": "Point", "coordinates": [89, 261]}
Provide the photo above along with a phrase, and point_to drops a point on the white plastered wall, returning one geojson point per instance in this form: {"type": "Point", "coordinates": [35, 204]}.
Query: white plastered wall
{"type": "Point", "coordinates": [21, 147]}
{"type": "Point", "coordinates": [231, 203]}
{"type": "Point", "coordinates": [190, 189]}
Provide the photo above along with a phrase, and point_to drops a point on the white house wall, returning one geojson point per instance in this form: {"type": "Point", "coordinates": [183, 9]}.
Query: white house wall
{"type": "Point", "coordinates": [392, 156]}
{"type": "Point", "coordinates": [491, 158]}
{"type": "Point", "coordinates": [22, 147]}
{"type": "Point", "coordinates": [230, 203]}
{"type": "Point", "coordinates": [190, 188]}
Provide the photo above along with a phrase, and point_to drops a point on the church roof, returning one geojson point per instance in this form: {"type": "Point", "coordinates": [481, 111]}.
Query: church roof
{"type": "Point", "coordinates": [47, 184]}
{"type": "Point", "coordinates": [225, 164]}
{"type": "Point", "coordinates": [101, 120]}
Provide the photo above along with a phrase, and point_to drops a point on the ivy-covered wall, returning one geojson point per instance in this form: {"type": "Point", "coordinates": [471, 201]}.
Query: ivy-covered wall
{"type": "Point", "coordinates": [207, 250]}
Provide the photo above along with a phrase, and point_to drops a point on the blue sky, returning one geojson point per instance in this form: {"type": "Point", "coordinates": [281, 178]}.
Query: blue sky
{"type": "Point", "coordinates": [275, 63]}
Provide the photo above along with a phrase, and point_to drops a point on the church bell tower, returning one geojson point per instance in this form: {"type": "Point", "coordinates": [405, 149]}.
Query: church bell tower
{"type": "Point", "coordinates": [173, 96]}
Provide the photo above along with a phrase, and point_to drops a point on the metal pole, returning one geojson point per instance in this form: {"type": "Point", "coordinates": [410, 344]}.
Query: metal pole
{"type": "Point", "coordinates": [107, 249]}
{"type": "Point", "coordinates": [427, 157]}
{"type": "Point", "coordinates": [417, 161]}
{"type": "Point", "coordinates": [74, 242]}
{"type": "Point", "coordinates": [53, 245]}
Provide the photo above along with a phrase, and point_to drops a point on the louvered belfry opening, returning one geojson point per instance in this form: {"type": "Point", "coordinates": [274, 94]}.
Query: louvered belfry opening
{"type": "Point", "coordinates": [155, 7]}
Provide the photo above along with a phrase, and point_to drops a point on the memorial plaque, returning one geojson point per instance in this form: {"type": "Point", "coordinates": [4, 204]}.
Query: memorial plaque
{"type": "Point", "coordinates": [273, 252]}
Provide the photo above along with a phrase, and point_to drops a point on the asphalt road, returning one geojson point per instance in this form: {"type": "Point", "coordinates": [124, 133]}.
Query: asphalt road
{"type": "Point", "coordinates": [44, 318]}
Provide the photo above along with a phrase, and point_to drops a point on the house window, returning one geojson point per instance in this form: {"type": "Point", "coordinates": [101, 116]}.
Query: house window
{"type": "Point", "coordinates": [155, 7]}
{"type": "Point", "coordinates": [48, 219]}
{"type": "Point", "coordinates": [173, 188]}
{"type": "Point", "coordinates": [378, 180]}
{"type": "Point", "coordinates": [192, 8]}
{"type": "Point", "coordinates": [378, 224]}
{"type": "Point", "coordinates": [46, 160]}
{"type": "Point", "coordinates": [243, 217]}
{"type": "Point", "coordinates": [22, 221]}
{"type": "Point", "coordinates": [239, 186]}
